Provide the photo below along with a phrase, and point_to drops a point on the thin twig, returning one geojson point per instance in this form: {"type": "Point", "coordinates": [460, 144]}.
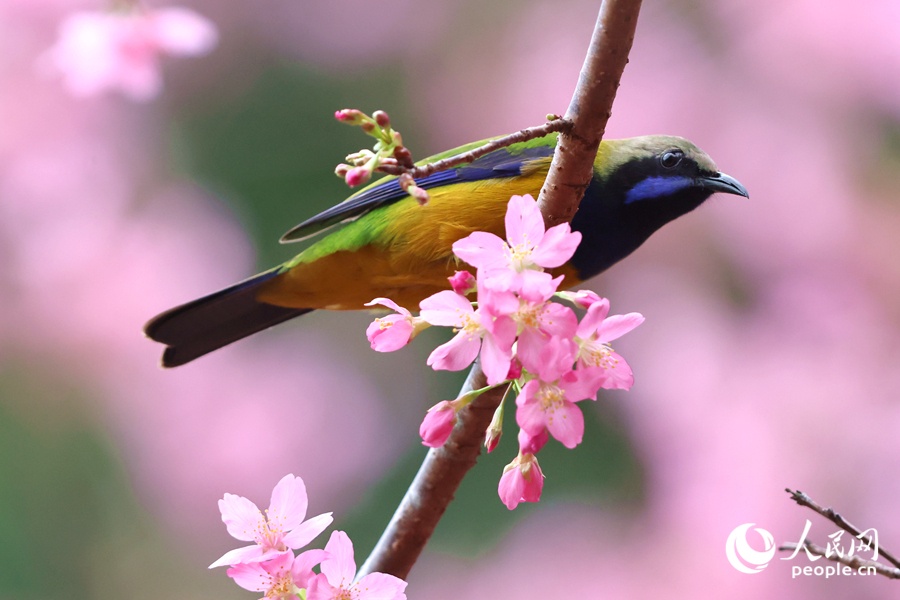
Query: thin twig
{"type": "Point", "coordinates": [832, 515]}
{"type": "Point", "coordinates": [856, 562]}
{"type": "Point", "coordinates": [522, 135]}
{"type": "Point", "coordinates": [439, 476]}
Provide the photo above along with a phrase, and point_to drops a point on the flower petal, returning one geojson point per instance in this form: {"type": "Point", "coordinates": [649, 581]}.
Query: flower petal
{"type": "Point", "coordinates": [287, 507]}
{"type": "Point", "coordinates": [251, 577]}
{"type": "Point", "coordinates": [566, 424]}
{"type": "Point", "coordinates": [242, 518]}
{"type": "Point", "coordinates": [390, 304]}
{"type": "Point", "coordinates": [307, 531]}
{"type": "Point", "coordinates": [524, 222]}
{"type": "Point", "coordinates": [557, 246]}
{"type": "Point", "coordinates": [511, 487]}
{"type": "Point", "coordinates": [301, 570]}
{"type": "Point", "coordinates": [593, 319]}
{"type": "Point", "coordinates": [381, 586]}
{"type": "Point", "coordinates": [245, 555]}
{"type": "Point", "coordinates": [446, 308]}
{"type": "Point", "coordinates": [339, 568]}
{"type": "Point", "coordinates": [481, 250]}
{"type": "Point", "coordinates": [455, 355]}
{"type": "Point", "coordinates": [618, 325]}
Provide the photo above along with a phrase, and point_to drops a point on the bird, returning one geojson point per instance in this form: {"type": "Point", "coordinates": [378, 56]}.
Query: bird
{"type": "Point", "coordinates": [381, 243]}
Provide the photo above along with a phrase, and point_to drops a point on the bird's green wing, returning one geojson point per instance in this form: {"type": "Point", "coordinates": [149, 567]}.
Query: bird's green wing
{"type": "Point", "coordinates": [504, 162]}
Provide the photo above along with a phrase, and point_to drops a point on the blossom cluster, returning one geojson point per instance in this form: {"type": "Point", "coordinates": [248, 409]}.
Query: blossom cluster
{"type": "Point", "coordinates": [389, 151]}
{"type": "Point", "coordinates": [270, 566]}
{"type": "Point", "coordinates": [523, 338]}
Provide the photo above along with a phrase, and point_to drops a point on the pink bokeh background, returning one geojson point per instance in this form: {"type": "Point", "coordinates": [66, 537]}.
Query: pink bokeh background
{"type": "Point", "coordinates": [770, 353]}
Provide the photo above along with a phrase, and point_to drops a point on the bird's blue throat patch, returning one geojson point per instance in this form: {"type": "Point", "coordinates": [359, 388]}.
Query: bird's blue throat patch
{"type": "Point", "coordinates": [656, 187]}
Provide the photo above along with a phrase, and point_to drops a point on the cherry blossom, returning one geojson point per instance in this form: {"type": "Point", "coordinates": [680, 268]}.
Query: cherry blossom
{"type": "Point", "coordinates": [281, 527]}
{"type": "Point", "coordinates": [336, 581]}
{"type": "Point", "coordinates": [522, 481]}
{"type": "Point", "coordinates": [516, 264]}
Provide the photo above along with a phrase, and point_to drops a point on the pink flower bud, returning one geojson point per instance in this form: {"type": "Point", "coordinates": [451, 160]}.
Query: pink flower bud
{"type": "Point", "coordinates": [350, 116]}
{"type": "Point", "coordinates": [382, 118]}
{"type": "Point", "coordinates": [492, 438]}
{"type": "Point", "coordinates": [367, 126]}
{"type": "Point", "coordinates": [341, 170]}
{"type": "Point", "coordinates": [463, 282]}
{"type": "Point", "coordinates": [515, 369]}
{"type": "Point", "coordinates": [438, 424]}
{"type": "Point", "coordinates": [357, 176]}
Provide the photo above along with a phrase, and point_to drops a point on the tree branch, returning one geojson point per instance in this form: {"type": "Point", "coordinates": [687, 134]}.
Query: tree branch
{"type": "Point", "coordinates": [589, 110]}
{"type": "Point", "coordinates": [443, 469]}
{"type": "Point", "coordinates": [851, 560]}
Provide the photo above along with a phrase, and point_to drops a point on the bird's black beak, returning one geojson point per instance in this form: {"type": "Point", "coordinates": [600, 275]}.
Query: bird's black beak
{"type": "Point", "coordinates": [720, 182]}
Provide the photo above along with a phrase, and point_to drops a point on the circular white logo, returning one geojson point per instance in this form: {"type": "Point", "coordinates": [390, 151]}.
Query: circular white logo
{"type": "Point", "coordinates": [744, 558]}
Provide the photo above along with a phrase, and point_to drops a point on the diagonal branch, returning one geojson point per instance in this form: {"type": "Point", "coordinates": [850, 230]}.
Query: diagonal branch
{"type": "Point", "coordinates": [833, 516]}
{"type": "Point", "coordinates": [570, 173]}
{"type": "Point", "coordinates": [853, 561]}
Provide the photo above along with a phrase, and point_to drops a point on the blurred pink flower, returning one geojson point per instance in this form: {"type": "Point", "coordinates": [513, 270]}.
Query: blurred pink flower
{"type": "Point", "coordinates": [336, 581]}
{"type": "Point", "coordinates": [282, 527]}
{"type": "Point", "coordinates": [98, 51]}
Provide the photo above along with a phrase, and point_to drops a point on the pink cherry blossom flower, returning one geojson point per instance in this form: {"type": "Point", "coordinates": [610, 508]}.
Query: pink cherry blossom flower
{"type": "Point", "coordinates": [594, 333]}
{"type": "Point", "coordinates": [390, 333]}
{"type": "Point", "coordinates": [281, 577]}
{"type": "Point", "coordinates": [438, 423]}
{"type": "Point", "coordinates": [477, 330]}
{"type": "Point", "coordinates": [280, 528]}
{"type": "Point", "coordinates": [516, 264]}
{"type": "Point", "coordinates": [551, 405]}
{"type": "Point", "coordinates": [522, 481]}
{"type": "Point", "coordinates": [537, 325]}
{"type": "Point", "coordinates": [335, 582]}
{"type": "Point", "coordinates": [99, 51]}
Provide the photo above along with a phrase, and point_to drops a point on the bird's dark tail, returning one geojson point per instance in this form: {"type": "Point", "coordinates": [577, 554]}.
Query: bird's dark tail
{"type": "Point", "coordinates": [206, 324]}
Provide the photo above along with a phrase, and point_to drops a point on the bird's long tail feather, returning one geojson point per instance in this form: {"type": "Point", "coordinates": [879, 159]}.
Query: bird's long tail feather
{"type": "Point", "coordinates": [206, 324]}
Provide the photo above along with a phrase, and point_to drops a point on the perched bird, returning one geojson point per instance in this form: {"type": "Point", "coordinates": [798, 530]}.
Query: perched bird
{"type": "Point", "coordinates": [390, 246]}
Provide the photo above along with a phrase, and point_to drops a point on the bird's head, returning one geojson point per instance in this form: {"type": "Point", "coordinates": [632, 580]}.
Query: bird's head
{"type": "Point", "coordinates": [639, 185]}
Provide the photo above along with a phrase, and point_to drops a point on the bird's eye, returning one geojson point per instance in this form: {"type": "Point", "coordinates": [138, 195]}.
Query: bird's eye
{"type": "Point", "coordinates": [671, 158]}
